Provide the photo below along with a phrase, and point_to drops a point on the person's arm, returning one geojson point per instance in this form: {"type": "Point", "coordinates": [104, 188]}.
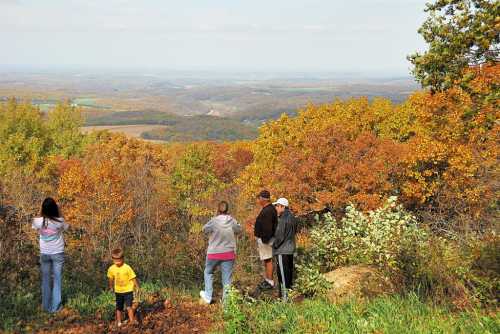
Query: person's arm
{"type": "Point", "coordinates": [236, 227]}
{"type": "Point", "coordinates": [111, 279]}
{"type": "Point", "coordinates": [275, 221]}
{"type": "Point", "coordinates": [279, 235]}
{"type": "Point", "coordinates": [35, 225]}
{"type": "Point", "coordinates": [296, 222]}
{"type": "Point", "coordinates": [257, 227]}
{"type": "Point", "coordinates": [133, 278]}
{"type": "Point", "coordinates": [268, 225]}
{"type": "Point", "coordinates": [111, 283]}
{"type": "Point", "coordinates": [208, 227]}
{"type": "Point", "coordinates": [136, 284]}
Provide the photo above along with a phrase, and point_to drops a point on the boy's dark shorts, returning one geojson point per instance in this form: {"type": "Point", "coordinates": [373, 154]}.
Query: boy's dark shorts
{"type": "Point", "coordinates": [124, 299]}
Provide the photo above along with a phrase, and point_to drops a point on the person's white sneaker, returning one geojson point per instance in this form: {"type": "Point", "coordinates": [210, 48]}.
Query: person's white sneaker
{"type": "Point", "coordinates": [204, 298]}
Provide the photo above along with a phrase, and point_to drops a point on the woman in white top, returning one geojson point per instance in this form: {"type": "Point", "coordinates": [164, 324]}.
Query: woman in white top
{"type": "Point", "coordinates": [50, 227]}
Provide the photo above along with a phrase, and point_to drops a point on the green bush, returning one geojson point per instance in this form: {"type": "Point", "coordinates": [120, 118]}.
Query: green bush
{"type": "Point", "coordinates": [373, 238]}
{"type": "Point", "coordinates": [378, 237]}
{"type": "Point", "coordinates": [310, 281]}
{"type": "Point", "coordinates": [102, 305]}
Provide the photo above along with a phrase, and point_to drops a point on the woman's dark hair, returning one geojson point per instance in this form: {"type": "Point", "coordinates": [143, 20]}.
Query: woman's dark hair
{"type": "Point", "coordinates": [223, 207]}
{"type": "Point", "coordinates": [50, 210]}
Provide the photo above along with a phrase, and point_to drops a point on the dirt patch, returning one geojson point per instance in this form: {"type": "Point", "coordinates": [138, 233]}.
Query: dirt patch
{"type": "Point", "coordinates": [180, 318]}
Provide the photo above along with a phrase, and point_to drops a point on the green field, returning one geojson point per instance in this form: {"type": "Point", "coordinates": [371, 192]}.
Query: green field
{"type": "Point", "coordinates": [389, 314]}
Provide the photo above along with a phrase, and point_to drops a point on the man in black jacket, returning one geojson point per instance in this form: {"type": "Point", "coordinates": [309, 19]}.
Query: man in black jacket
{"type": "Point", "coordinates": [265, 226]}
{"type": "Point", "coordinates": [284, 246]}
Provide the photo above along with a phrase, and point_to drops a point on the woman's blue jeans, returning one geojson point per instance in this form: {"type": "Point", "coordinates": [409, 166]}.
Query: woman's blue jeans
{"type": "Point", "coordinates": [51, 268]}
{"type": "Point", "coordinates": [226, 268]}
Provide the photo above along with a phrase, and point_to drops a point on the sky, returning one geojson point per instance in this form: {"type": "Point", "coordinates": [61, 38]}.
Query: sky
{"type": "Point", "coordinates": [372, 36]}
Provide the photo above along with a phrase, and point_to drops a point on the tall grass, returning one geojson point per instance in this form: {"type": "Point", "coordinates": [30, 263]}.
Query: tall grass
{"type": "Point", "coordinates": [17, 307]}
{"type": "Point", "coordinates": [390, 314]}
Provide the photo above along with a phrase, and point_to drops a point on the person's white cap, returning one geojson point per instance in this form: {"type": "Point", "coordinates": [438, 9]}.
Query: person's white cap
{"type": "Point", "coordinates": [282, 201]}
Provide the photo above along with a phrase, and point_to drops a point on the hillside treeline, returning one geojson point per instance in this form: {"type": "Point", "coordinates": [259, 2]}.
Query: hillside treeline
{"type": "Point", "coordinates": [437, 152]}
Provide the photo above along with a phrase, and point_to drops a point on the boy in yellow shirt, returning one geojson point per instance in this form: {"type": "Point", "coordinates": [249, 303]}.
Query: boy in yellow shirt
{"type": "Point", "coordinates": [122, 280]}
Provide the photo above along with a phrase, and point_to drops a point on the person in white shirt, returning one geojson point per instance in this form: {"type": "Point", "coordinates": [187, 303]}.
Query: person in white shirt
{"type": "Point", "coordinates": [50, 227]}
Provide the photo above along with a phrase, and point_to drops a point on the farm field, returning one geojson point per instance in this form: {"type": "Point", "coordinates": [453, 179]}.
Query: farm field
{"type": "Point", "coordinates": [133, 131]}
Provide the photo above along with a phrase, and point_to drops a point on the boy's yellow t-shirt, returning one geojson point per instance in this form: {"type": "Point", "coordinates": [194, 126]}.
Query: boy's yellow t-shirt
{"type": "Point", "coordinates": [123, 277]}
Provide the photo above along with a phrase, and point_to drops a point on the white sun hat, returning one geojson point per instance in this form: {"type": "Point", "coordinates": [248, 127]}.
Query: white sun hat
{"type": "Point", "coordinates": [282, 201]}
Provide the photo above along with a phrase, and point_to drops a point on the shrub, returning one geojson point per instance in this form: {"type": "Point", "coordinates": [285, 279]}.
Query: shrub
{"type": "Point", "coordinates": [462, 271]}
{"type": "Point", "coordinates": [310, 281]}
{"type": "Point", "coordinates": [378, 237]}
{"type": "Point", "coordinates": [373, 238]}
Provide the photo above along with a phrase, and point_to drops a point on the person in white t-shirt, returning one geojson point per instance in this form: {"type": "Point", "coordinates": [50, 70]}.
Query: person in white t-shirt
{"type": "Point", "coordinates": [50, 227]}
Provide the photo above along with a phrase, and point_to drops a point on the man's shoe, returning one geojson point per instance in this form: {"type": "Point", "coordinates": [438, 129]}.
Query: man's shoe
{"type": "Point", "coordinates": [204, 298]}
{"type": "Point", "coordinates": [265, 286]}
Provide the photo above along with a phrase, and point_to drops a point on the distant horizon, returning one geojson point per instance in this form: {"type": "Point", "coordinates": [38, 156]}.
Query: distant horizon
{"type": "Point", "coordinates": [313, 73]}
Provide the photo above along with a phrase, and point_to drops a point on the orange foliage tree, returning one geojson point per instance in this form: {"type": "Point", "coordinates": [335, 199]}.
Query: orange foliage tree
{"type": "Point", "coordinates": [454, 152]}
{"type": "Point", "coordinates": [111, 191]}
{"type": "Point", "coordinates": [330, 155]}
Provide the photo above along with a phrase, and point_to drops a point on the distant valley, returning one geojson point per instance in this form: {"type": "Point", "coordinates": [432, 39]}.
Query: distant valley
{"type": "Point", "coordinates": [186, 106]}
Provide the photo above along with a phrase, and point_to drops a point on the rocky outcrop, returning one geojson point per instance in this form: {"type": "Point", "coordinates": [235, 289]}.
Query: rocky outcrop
{"type": "Point", "coordinates": [359, 281]}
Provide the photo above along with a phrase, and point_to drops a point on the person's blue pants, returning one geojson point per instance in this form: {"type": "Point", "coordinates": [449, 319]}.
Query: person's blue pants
{"type": "Point", "coordinates": [226, 268]}
{"type": "Point", "coordinates": [51, 268]}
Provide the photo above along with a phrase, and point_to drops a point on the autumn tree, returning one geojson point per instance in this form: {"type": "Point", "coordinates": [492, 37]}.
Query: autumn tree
{"type": "Point", "coordinates": [24, 142]}
{"type": "Point", "coordinates": [193, 182]}
{"type": "Point", "coordinates": [28, 138]}
{"type": "Point", "coordinates": [27, 167]}
{"type": "Point", "coordinates": [229, 160]}
{"type": "Point", "coordinates": [451, 171]}
{"type": "Point", "coordinates": [330, 155]}
{"type": "Point", "coordinates": [460, 34]}
{"type": "Point", "coordinates": [63, 124]}
{"type": "Point", "coordinates": [110, 194]}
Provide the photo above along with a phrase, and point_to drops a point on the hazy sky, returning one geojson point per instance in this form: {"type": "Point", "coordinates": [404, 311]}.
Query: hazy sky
{"type": "Point", "coordinates": [269, 35]}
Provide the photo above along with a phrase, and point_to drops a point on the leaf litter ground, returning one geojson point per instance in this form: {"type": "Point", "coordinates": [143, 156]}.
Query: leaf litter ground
{"type": "Point", "coordinates": [185, 316]}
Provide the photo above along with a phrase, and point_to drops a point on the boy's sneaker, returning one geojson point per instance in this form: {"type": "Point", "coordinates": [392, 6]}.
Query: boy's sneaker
{"type": "Point", "coordinates": [204, 298]}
